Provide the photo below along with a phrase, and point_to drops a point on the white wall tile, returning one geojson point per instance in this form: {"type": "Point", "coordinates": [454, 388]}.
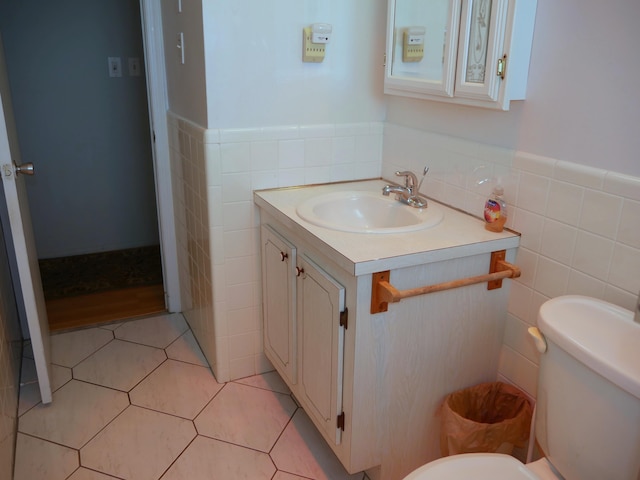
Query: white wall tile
{"type": "Point", "coordinates": [343, 150]}
{"type": "Point", "coordinates": [530, 226]}
{"type": "Point", "coordinates": [558, 241]}
{"type": "Point", "coordinates": [629, 228]}
{"type": "Point", "coordinates": [533, 192]}
{"type": "Point", "coordinates": [551, 277]}
{"type": "Point", "coordinates": [517, 337]}
{"type": "Point", "coordinates": [237, 215]}
{"type": "Point", "coordinates": [625, 267]}
{"type": "Point", "coordinates": [236, 187]}
{"type": "Point", "coordinates": [290, 154]}
{"type": "Point", "coordinates": [536, 164]}
{"type": "Point", "coordinates": [318, 152]}
{"type": "Point", "coordinates": [565, 202]}
{"type": "Point", "coordinates": [235, 157]}
{"type": "Point", "coordinates": [622, 185]}
{"type": "Point", "coordinates": [238, 243]}
{"type": "Point", "coordinates": [264, 179]}
{"type": "Point", "coordinates": [527, 260]}
{"type": "Point", "coordinates": [264, 155]}
{"type": "Point", "coordinates": [583, 284]}
{"type": "Point", "coordinates": [579, 174]}
{"type": "Point", "coordinates": [593, 254]}
{"type": "Point", "coordinates": [600, 213]}
{"type": "Point", "coordinates": [520, 302]}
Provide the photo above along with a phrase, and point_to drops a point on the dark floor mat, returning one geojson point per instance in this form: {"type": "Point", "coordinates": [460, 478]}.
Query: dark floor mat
{"type": "Point", "coordinates": [100, 272]}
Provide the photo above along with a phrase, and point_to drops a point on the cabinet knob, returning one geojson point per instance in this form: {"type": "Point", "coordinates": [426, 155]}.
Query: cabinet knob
{"type": "Point", "coordinates": [283, 256]}
{"type": "Point", "coordinates": [299, 271]}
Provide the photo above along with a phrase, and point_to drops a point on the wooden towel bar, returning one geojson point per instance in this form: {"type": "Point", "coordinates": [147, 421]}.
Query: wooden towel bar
{"type": "Point", "coordinates": [383, 293]}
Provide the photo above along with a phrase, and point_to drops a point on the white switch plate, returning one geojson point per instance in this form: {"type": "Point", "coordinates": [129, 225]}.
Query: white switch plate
{"type": "Point", "coordinates": [134, 67]}
{"type": "Point", "coordinates": [115, 66]}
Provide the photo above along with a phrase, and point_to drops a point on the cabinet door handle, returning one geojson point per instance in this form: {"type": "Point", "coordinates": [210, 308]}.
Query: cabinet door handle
{"type": "Point", "coordinates": [299, 271]}
{"type": "Point", "coordinates": [283, 256]}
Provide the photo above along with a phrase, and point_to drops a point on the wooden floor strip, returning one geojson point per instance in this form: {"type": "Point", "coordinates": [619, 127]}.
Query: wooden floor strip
{"type": "Point", "coordinates": [96, 308]}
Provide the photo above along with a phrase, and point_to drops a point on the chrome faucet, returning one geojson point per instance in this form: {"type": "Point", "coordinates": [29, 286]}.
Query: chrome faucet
{"type": "Point", "coordinates": [409, 193]}
{"type": "Point", "coordinates": [636, 317]}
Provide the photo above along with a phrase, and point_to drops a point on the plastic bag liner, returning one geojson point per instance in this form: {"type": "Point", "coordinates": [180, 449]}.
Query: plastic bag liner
{"type": "Point", "coordinates": [490, 417]}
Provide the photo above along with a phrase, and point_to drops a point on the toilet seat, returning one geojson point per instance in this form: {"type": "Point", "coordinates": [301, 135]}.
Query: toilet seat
{"type": "Point", "coordinates": [477, 466]}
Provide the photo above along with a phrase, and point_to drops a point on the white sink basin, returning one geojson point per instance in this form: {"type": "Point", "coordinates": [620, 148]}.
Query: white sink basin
{"type": "Point", "coordinates": [367, 212]}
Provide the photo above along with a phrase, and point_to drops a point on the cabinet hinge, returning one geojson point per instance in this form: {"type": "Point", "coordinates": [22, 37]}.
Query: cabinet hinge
{"type": "Point", "coordinates": [344, 318]}
{"type": "Point", "coordinates": [501, 70]}
{"type": "Point", "coordinates": [341, 421]}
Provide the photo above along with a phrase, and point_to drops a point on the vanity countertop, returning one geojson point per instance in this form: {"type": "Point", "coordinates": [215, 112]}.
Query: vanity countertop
{"type": "Point", "coordinates": [457, 235]}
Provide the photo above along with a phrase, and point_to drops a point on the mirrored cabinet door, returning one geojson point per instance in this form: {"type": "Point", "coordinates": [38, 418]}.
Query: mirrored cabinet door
{"type": "Point", "coordinates": [481, 61]}
{"type": "Point", "coordinates": [421, 47]}
{"type": "Point", "coordinates": [470, 52]}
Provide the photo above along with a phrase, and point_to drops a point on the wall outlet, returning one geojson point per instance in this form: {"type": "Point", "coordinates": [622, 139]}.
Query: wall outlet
{"type": "Point", "coordinates": [115, 66]}
{"type": "Point", "coordinates": [311, 52]}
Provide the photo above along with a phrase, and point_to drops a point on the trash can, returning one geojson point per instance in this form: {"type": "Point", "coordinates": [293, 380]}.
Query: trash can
{"type": "Point", "coordinates": [490, 417]}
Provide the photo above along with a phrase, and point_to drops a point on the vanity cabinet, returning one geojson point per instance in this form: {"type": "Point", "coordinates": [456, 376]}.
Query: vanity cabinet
{"type": "Point", "coordinates": [471, 52]}
{"type": "Point", "coordinates": [372, 382]}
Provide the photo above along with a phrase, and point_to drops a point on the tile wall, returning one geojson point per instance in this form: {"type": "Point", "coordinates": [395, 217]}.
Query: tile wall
{"type": "Point", "coordinates": [580, 226]}
{"type": "Point", "coordinates": [216, 171]}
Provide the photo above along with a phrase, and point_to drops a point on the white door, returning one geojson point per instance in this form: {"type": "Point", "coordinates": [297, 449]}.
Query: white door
{"type": "Point", "coordinates": [23, 241]}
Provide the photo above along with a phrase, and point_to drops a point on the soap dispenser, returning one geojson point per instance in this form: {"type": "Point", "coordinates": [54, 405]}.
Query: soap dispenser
{"type": "Point", "coordinates": [495, 210]}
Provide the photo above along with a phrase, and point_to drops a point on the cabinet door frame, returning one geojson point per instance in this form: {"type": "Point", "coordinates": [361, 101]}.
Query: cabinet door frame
{"type": "Point", "coordinates": [492, 88]}
{"type": "Point", "coordinates": [279, 256]}
{"type": "Point", "coordinates": [413, 86]}
{"type": "Point", "coordinates": [321, 352]}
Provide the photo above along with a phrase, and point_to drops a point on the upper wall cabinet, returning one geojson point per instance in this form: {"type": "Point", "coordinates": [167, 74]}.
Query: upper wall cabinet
{"type": "Point", "coordinates": [471, 52]}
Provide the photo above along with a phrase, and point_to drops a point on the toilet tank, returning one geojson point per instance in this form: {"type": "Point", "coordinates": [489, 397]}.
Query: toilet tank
{"type": "Point", "coordinates": [588, 401]}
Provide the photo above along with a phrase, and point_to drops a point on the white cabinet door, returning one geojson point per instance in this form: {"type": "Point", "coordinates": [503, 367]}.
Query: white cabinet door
{"type": "Point", "coordinates": [321, 340]}
{"type": "Point", "coordinates": [481, 49]}
{"type": "Point", "coordinates": [278, 302]}
{"type": "Point", "coordinates": [428, 67]}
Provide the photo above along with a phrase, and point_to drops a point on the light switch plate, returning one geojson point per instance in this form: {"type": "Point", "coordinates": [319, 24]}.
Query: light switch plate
{"type": "Point", "coordinates": [115, 66]}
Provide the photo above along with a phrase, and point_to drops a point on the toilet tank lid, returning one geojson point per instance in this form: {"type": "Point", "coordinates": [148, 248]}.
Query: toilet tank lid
{"type": "Point", "coordinates": [599, 334]}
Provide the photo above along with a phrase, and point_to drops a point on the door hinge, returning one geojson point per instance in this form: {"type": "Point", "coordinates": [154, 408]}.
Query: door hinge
{"type": "Point", "coordinates": [344, 318]}
{"type": "Point", "coordinates": [341, 421]}
{"type": "Point", "coordinates": [501, 70]}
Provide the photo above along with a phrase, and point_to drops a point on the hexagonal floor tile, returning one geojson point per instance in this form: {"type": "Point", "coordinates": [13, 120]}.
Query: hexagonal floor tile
{"type": "Point", "coordinates": [86, 474]}
{"type": "Point", "coordinates": [41, 460]}
{"type": "Point", "coordinates": [302, 451]}
{"type": "Point", "coordinates": [139, 445]}
{"type": "Point", "coordinates": [30, 390]}
{"type": "Point", "coordinates": [192, 387]}
{"type": "Point", "coordinates": [158, 331]}
{"type": "Point", "coordinates": [247, 416]}
{"type": "Point", "coordinates": [79, 410]}
{"type": "Point", "coordinates": [70, 348]}
{"type": "Point", "coordinates": [186, 349]}
{"type": "Point", "coordinates": [119, 365]}
{"type": "Point", "coordinates": [207, 458]}
{"type": "Point", "coordinates": [268, 381]}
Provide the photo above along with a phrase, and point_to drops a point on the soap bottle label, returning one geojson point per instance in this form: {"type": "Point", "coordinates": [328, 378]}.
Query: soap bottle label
{"type": "Point", "coordinates": [494, 216]}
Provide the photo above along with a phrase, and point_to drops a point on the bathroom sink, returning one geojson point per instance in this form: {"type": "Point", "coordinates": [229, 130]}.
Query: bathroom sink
{"type": "Point", "coordinates": [367, 212]}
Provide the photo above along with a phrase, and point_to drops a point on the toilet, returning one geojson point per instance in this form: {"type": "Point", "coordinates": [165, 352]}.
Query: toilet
{"type": "Point", "coordinates": [587, 419]}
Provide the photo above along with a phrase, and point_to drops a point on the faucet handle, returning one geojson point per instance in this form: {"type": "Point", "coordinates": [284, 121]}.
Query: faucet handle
{"type": "Point", "coordinates": [410, 179]}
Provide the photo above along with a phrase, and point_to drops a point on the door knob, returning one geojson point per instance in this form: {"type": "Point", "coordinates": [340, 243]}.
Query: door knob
{"type": "Point", "coordinates": [25, 169]}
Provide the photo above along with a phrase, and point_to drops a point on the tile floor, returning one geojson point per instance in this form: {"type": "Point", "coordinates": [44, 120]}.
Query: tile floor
{"type": "Point", "coordinates": [136, 400]}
